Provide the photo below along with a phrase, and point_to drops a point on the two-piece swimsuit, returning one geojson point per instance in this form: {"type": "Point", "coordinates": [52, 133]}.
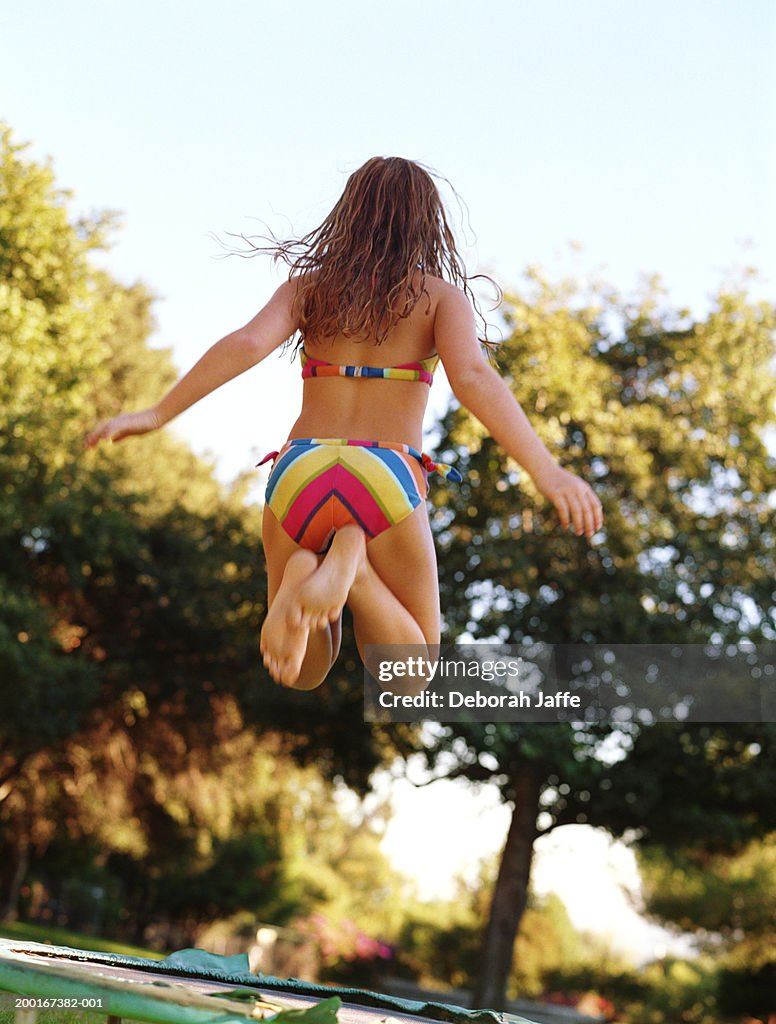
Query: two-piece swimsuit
{"type": "Point", "coordinates": [318, 485]}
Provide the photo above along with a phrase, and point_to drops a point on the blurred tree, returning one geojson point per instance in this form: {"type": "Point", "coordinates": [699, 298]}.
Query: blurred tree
{"type": "Point", "coordinates": [728, 901]}
{"type": "Point", "coordinates": [439, 942]}
{"type": "Point", "coordinates": [665, 416]}
{"type": "Point", "coordinates": [50, 352]}
{"type": "Point", "coordinates": [130, 600]}
{"type": "Point", "coordinates": [190, 833]}
{"type": "Point", "coordinates": [545, 941]}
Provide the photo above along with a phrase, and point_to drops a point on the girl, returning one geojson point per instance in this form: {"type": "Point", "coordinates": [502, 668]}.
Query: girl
{"type": "Point", "coordinates": [378, 294]}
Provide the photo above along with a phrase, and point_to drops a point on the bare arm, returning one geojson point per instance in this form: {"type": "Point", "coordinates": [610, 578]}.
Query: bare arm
{"type": "Point", "coordinates": [482, 391]}
{"type": "Point", "coordinates": [228, 358]}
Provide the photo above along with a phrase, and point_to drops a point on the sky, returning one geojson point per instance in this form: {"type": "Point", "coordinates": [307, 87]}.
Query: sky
{"type": "Point", "coordinates": [642, 132]}
{"type": "Point", "coordinates": [593, 136]}
{"type": "Point", "coordinates": [596, 877]}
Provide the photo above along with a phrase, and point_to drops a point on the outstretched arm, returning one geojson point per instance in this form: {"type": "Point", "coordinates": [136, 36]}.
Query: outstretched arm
{"type": "Point", "coordinates": [482, 391]}
{"type": "Point", "coordinates": [228, 358]}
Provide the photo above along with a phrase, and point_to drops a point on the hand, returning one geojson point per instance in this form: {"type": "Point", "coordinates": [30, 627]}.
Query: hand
{"type": "Point", "coordinates": [575, 500]}
{"type": "Point", "coordinates": [126, 424]}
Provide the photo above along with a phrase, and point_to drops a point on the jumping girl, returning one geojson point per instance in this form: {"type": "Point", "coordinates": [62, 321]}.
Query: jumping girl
{"type": "Point", "coordinates": [378, 295]}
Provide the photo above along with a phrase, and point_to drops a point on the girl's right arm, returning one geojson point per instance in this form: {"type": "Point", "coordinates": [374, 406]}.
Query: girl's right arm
{"type": "Point", "coordinates": [228, 358]}
{"type": "Point", "coordinates": [481, 390]}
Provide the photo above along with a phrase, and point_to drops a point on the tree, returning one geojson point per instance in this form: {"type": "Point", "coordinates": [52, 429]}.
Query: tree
{"type": "Point", "coordinates": [727, 900]}
{"type": "Point", "coordinates": [439, 941]}
{"type": "Point", "coordinates": [186, 834]}
{"type": "Point", "coordinates": [665, 415]}
{"type": "Point", "coordinates": [130, 600]}
{"type": "Point", "coordinates": [50, 352]}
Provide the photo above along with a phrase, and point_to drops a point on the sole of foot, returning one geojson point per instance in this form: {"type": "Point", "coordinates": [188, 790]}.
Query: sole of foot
{"type": "Point", "coordinates": [323, 594]}
{"type": "Point", "coordinates": [285, 631]}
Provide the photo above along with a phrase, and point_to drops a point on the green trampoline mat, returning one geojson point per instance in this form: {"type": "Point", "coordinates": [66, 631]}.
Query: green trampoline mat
{"type": "Point", "coordinates": [195, 987]}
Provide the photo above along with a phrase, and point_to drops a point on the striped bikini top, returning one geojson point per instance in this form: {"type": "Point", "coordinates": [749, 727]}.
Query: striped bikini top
{"type": "Point", "coordinates": [422, 371]}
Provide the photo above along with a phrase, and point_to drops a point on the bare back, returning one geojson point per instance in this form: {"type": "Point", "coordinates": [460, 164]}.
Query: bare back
{"type": "Point", "coordinates": [372, 409]}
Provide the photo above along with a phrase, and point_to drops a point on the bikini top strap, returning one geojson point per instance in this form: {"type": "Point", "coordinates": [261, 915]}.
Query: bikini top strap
{"type": "Point", "coordinates": [422, 370]}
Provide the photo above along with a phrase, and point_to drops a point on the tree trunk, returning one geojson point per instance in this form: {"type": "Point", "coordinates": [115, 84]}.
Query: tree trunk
{"type": "Point", "coordinates": [11, 878]}
{"type": "Point", "coordinates": [510, 894]}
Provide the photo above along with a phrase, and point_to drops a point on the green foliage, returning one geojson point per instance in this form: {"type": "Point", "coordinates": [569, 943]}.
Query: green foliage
{"type": "Point", "coordinates": [439, 942]}
{"type": "Point", "coordinates": [665, 415]}
{"type": "Point", "coordinates": [748, 991]}
{"type": "Point", "coordinates": [50, 351]}
{"type": "Point", "coordinates": [546, 941]}
{"type": "Point", "coordinates": [705, 789]}
{"type": "Point", "coordinates": [339, 869]}
{"type": "Point", "coordinates": [26, 932]}
{"type": "Point", "coordinates": [139, 737]}
{"type": "Point", "coordinates": [729, 900]}
{"type": "Point", "coordinates": [28, 651]}
{"type": "Point", "coordinates": [200, 835]}
{"type": "Point", "coordinates": [662, 992]}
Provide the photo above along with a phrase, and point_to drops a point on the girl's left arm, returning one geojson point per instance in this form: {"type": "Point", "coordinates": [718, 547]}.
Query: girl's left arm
{"type": "Point", "coordinates": [228, 358]}
{"type": "Point", "coordinates": [483, 392]}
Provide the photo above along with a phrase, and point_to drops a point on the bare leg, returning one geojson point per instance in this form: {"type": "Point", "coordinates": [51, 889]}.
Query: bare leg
{"type": "Point", "coordinates": [390, 584]}
{"type": "Point", "coordinates": [391, 588]}
{"type": "Point", "coordinates": [294, 653]}
{"type": "Point", "coordinates": [395, 599]}
{"type": "Point", "coordinates": [322, 595]}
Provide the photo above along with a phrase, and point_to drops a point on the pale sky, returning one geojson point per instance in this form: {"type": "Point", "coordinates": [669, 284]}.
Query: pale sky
{"type": "Point", "coordinates": [448, 828]}
{"type": "Point", "coordinates": [644, 131]}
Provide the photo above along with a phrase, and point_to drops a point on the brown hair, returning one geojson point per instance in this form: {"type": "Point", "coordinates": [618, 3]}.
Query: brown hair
{"type": "Point", "coordinates": [389, 222]}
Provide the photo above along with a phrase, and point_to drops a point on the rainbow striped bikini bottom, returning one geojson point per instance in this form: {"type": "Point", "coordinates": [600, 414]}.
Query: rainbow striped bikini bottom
{"type": "Point", "coordinates": [318, 485]}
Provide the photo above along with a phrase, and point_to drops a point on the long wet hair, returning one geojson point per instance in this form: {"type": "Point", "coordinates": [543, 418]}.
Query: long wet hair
{"type": "Point", "coordinates": [357, 270]}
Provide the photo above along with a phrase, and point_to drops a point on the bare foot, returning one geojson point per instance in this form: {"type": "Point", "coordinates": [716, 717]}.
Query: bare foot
{"type": "Point", "coordinates": [284, 633]}
{"type": "Point", "coordinates": [323, 594]}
